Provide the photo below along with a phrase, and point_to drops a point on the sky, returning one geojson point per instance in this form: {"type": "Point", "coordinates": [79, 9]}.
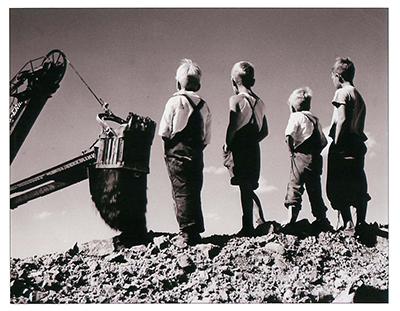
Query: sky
{"type": "Point", "coordinates": [129, 58]}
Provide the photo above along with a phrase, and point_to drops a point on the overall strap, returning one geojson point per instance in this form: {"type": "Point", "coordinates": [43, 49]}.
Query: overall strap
{"type": "Point", "coordinates": [314, 142]}
{"type": "Point", "coordinates": [311, 120]}
{"type": "Point", "coordinates": [195, 107]}
{"type": "Point", "coordinates": [253, 115]}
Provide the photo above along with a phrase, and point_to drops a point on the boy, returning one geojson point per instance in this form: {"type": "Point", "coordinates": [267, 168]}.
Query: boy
{"type": "Point", "coordinates": [247, 127]}
{"type": "Point", "coordinates": [346, 182]}
{"type": "Point", "coordinates": [185, 129]}
{"type": "Point", "coordinates": [305, 140]}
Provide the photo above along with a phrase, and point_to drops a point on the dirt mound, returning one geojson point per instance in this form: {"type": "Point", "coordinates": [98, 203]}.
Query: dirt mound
{"type": "Point", "coordinates": [330, 267]}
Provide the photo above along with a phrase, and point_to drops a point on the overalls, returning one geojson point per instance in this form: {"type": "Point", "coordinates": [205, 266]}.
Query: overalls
{"type": "Point", "coordinates": [245, 169]}
{"type": "Point", "coordinates": [184, 160]}
{"type": "Point", "coordinates": [246, 152]}
{"type": "Point", "coordinates": [306, 169]}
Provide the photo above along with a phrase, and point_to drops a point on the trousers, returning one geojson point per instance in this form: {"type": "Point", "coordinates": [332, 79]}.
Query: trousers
{"type": "Point", "coordinates": [186, 176]}
{"type": "Point", "coordinates": [346, 180]}
{"type": "Point", "coordinates": [305, 173]}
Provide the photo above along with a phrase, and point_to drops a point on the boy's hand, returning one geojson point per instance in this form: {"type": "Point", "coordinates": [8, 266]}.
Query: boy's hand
{"type": "Point", "coordinates": [227, 157]}
{"type": "Point", "coordinates": [289, 142]}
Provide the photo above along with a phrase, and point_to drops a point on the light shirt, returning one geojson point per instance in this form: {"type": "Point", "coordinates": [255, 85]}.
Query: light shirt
{"type": "Point", "coordinates": [177, 112]}
{"type": "Point", "coordinates": [300, 127]}
{"type": "Point", "coordinates": [355, 111]}
{"type": "Point", "coordinates": [243, 111]}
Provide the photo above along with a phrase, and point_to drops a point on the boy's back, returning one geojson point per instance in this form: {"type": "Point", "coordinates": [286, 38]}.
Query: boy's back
{"type": "Point", "coordinates": [240, 104]}
{"type": "Point", "coordinates": [305, 129]}
{"type": "Point", "coordinates": [249, 112]}
{"type": "Point", "coordinates": [355, 111]}
{"type": "Point", "coordinates": [186, 119]}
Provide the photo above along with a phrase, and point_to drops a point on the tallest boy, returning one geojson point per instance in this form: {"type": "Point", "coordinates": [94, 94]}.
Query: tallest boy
{"type": "Point", "coordinates": [347, 182]}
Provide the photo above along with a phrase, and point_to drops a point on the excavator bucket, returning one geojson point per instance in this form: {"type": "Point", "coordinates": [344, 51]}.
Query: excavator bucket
{"type": "Point", "coordinates": [118, 179]}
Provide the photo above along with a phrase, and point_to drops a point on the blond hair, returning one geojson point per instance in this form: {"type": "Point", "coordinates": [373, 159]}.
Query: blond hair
{"type": "Point", "coordinates": [243, 73]}
{"type": "Point", "coordinates": [188, 75]}
{"type": "Point", "coordinates": [300, 99]}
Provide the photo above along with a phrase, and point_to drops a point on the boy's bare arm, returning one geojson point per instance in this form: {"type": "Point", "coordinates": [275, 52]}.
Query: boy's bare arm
{"type": "Point", "coordinates": [290, 144]}
{"type": "Point", "coordinates": [264, 129]}
{"type": "Point", "coordinates": [230, 132]}
{"type": "Point", "coordinates": [233, 122]}
{"type": "Point", "coordinates": [341, 119]}
{"type": "Point", "coordinates": [165, 128]}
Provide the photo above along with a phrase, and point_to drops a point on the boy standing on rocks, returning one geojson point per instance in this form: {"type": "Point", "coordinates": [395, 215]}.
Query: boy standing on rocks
{"type": "Point", "coordinates": [185, 129]}
{"type": "Point", "coordinates": [305, 140]}
{"type": "Point", "coordinates": [247, 127]}
{"type": "Point", "coordinates": [347, 182]}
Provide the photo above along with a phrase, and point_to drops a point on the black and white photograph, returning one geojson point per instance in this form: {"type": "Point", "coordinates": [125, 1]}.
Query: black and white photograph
{"type": "Point", "coordinates": [199, 155]}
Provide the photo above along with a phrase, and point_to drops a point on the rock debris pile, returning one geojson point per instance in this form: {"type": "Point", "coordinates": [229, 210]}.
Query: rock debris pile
{"type": "Point", "coordinates": [330, 267]}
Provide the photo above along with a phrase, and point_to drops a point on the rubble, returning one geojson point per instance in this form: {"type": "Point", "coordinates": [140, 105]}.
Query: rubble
{"type": "Point", "coordinates": [271, 268]}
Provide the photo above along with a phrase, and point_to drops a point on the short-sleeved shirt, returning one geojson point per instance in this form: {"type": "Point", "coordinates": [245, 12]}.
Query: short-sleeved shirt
{"type": "Point", "coordinates": [355, 111]}
{"type": "Point", "coordinates": [177, 113]}
{"type": "Point", "coordinates": [301, 126]}
{"type": "Point", "coordinates": [244, 111]}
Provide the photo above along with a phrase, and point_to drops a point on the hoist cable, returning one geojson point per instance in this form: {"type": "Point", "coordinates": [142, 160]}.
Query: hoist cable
{"type": "Point", "coordinates": [101, 102]}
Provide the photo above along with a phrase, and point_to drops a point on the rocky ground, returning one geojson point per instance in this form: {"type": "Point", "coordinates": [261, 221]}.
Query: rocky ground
{"type": "Point", "coordinates": [274, 267]}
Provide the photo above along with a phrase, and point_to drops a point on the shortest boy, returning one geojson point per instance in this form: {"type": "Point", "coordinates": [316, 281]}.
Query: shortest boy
{"type": "Point", "coordinates": [305, 140]}
{"type": "Point", "coordinates": [185, 129]}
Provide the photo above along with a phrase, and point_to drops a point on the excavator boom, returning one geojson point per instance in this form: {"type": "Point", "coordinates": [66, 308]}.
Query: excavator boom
{"type": "Point", "coordinates": [50, 180]}
{"type": "Point", "coordinates": [30, 89]}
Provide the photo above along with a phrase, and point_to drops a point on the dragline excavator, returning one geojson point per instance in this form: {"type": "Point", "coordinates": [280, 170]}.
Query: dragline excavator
{"type": "Point", "coordinates": [127, 148]}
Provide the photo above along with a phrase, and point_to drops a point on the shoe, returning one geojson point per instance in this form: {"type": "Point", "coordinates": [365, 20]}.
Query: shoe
{"type": "Point", "coordinates": [264, 229]}
{"type": "Point", "coordinates": [194, 239]}
{"type": "Point", "coordinates": [127, 240]}
{"type": "Point", "coordinates": [301, 228]}
{"type": "Point", "coordinates": [366, 234]}
{"type": "Point", "coordinates": [245, 232]}
{"type": "Point", "coordinates": [322, 225]}
{"type": "Point", "coordinates": [361, 227]}
{"type": "Point", "coordinates": [288, 228]}
{"type": "Point", "coordinates": [185, 239]}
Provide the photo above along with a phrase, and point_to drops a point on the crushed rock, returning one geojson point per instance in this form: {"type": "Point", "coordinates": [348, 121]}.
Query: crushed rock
{"type": "Point", "coordinates": [224, 269]}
